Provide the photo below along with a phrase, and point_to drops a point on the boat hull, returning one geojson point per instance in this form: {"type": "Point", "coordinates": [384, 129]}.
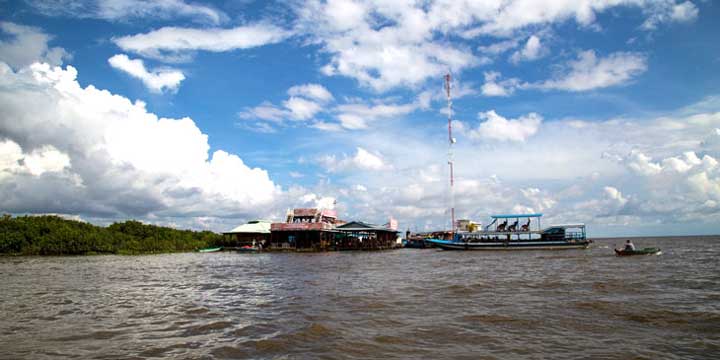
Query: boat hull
{"type": "Point", "coordinates": [510, 245]}
{"type": "Point", "coordinates": [645, 251]}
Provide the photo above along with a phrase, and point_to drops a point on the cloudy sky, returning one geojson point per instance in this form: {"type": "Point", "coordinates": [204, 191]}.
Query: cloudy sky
{"type": "Point", "coordinates": [207, 114]}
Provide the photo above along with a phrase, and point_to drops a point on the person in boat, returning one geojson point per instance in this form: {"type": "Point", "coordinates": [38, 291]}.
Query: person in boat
{"type": "Point", "coordinates": [526, 227]}
{"type": "Point", "coordinates": [629, 246]}
{"type": "Point", "coordinates": [513, 227]}
{"type": "Point", "coordinates": [502, 226]}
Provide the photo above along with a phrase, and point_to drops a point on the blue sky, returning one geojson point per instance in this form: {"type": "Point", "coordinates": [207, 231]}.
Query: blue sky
{"type": "Point", "coordinates": [207, 114]}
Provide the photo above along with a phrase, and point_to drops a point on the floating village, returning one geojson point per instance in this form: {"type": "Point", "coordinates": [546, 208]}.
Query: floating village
{"type": "Point", "coordinates": [314, 229]}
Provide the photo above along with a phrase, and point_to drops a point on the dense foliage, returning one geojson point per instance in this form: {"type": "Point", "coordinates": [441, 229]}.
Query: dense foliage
{"type": "Point", "coordinates": [53, 235]}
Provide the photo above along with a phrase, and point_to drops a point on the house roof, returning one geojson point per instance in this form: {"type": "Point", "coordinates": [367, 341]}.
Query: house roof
{"type": "Point", "coordinates": [361, 226]}
{"type": "Point", "coordinates": [255, 227]}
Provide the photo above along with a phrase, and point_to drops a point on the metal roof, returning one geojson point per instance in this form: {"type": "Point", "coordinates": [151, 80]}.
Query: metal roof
{"type": "Point", "coordinates": [255, 227]}
{"type": "Point", "coordinates": [514, 216]}
{"type": "Point", "coordinates": [361, 226]}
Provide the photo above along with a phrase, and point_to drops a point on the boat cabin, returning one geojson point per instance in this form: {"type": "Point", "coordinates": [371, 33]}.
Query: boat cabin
{"type": "Point", "coordinates": [523, 227]}
{"type": "Point", "coordinates": [569, 232]}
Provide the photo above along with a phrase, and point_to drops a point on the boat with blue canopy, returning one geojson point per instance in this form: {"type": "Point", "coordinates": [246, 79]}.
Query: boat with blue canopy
{"type": "Point", "coordinates": [517, 232]}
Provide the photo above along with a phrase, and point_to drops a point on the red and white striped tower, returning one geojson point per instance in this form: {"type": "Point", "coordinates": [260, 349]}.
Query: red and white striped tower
{"type": "Point", "coordinates": [451, 141]}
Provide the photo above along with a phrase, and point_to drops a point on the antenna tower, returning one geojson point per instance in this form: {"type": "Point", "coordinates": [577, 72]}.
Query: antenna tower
{"type": "Point", "coordinates": [451, 142]}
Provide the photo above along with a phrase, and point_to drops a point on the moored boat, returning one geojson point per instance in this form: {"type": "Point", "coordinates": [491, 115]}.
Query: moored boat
{"type": "Point", "coordinates": [512, 237]}
{"type": "Point", "coordinates": [248, 248]}
{"type": "Point", "coordinates": [206, 250]}
{"type": "Point", "coordinates": [645, 251]}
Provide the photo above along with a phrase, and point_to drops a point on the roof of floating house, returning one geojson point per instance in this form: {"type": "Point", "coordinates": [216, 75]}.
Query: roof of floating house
{"type": "Point", "coordinates": [253, 227]}
{"type": "Point", "coordinates": [361, 226]}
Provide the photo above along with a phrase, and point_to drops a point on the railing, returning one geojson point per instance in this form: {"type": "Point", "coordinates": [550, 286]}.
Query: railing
{"type": "Point", "coordinates": [575, 236]}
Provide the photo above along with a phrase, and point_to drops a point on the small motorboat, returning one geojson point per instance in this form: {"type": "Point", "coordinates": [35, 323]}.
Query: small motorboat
{"type": "Point", "coordinates": [645, 251]}
{"type": "Point", "coordinates": [206, 250]}
{"type": "Point", "coordinates": [248, 248]}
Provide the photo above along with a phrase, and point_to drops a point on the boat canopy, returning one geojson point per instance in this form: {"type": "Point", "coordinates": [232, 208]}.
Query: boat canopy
{"type": "Point", "coordinates": [514, 216]}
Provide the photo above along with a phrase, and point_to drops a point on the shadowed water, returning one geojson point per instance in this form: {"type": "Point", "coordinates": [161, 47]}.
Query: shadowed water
{"type": "Point", "coordinates": [357, 305]}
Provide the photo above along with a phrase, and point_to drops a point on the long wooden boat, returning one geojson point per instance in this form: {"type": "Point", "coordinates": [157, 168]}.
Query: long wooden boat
{"type": "Point", "coordinates": [510, 245]}
{"type": "Point", "coordinates": [503, 237]}
{"type": "Point", "coordinates": [645, 251]}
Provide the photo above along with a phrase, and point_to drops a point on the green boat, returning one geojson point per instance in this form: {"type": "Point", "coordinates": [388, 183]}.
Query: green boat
{"type": "Point", "coordinates": [215, 249]}
{"type": "Point", "coordinates": [645, 251]}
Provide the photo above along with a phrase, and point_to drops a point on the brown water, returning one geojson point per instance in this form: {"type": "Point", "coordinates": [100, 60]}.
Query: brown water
{"type": "Point", "coordinates": [357, 305]}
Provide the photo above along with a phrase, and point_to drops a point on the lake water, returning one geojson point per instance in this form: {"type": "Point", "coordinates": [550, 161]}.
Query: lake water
{"type": "Point", "coordinates": [356, 305]}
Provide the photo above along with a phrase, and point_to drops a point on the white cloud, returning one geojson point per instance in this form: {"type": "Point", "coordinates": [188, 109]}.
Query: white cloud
{"type": "Point", "coordinates": [404, 53]}
{"type": "Point", "coordinates": [26, 45]}
{"type": "Point", "coordinates": [311, 91]}
{"type": "Point", "coordinates": [41, 160]}
{"type": "Point", "coordinates": [122, 10]}
{"type": "Point", "coordinates": [663, 11]}
{"type": "Point", "coordinates": [684, 12]}
{"type": "Point", "coordinates": [590, 72]}
{"type": "Point", "coordinates": [317, 201]}
{"type": "Point", "coordinates": [642, 164]}
{"type": "Point", "coordinates": [615, 195]}
{"type": "Point", "coordinates": [177, 44]}
{"type": "Point", "coordinates": [89, 152]}
{"type": "Point", "coordinates": [499, 47]}
{"type": "Point", "coordinates": [264, 111]}
{"type": "Point", "coordinates": [301, 109]}
{"type": "Point", "coordinates": [493, 87]}
{"type": "Point", "coordinates": [327, 126]}
{"type": "Point", "coordinates": [156, 80]}
{"type": "Point", "coordinates": [358, 115]}
{"type": "Point", "coordinates": [384, 45]}
{"type": "Point", "coordinates": [532, 50]}
{"type": "Point", "coordinates": [496, 127]}
{"type": "Point", "coordinates": [304, 103]}
{"type": "Point", "coordinates": [362, 160]}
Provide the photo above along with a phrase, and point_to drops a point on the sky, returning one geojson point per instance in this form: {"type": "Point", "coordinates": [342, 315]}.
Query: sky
{"type": "Point", "coordinates": [204, 115]}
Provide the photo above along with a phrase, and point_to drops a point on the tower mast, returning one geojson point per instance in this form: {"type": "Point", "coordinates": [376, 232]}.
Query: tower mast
{"type": "Point", "coordinates": [451, 141]}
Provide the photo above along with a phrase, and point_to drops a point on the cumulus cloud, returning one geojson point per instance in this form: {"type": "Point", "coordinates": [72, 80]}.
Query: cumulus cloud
{"type": "Point", "coordinates": [590, 72]}
{"type": "Point", "coordinates": [74, 150]}
{"type": "Point", "coordinates": [178, 44]}
{"type": "Point", "coordinates": [496, 127]}
{"type": "Point", "coordinates": [362, 160]}
{"type": "Point", "coordinates": [14, 161]}
{"type": "Point", "coordinates": [156, 80]}
{"type": "Point", "coordinates": [532, 50]}
{"type": "Point", "coordinates": [122, 10]}
{"type": "Point", "coordinates": [26, 44]}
